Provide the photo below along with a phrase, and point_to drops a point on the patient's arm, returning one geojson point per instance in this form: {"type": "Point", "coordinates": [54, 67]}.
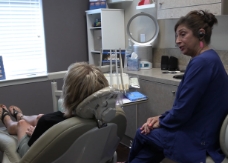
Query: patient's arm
{"type": "Point", "coordinates": [30, 130]}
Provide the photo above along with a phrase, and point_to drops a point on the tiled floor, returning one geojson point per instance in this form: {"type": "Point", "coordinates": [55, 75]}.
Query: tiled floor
{"type": "Point", "coordinates": [122, 153]}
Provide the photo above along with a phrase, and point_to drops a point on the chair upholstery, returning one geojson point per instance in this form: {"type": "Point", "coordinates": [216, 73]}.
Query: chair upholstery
{"type": "Point", "coordinates": [65, 141]}
{"type": "Point", "coordinates": [8, 145]}
{"type": "Point", "coordinates": [223, 139]}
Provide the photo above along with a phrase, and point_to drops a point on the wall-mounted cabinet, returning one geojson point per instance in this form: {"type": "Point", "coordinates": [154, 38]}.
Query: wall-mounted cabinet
{"type": "Point", "coordinates": [167, 9]}
{"type": "Point", "coordinates": [108, 34]}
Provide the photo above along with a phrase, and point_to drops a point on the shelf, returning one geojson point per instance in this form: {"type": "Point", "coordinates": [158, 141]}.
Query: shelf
{"type": "Point", "coordinates": [98, 11]}
{"type": "Point", "coordinates": [95, 28]}
{"type": "Point", "coordinates": [145, 6]}
{"type": "Point", "coordinates": [118, 1]}
{"type": "Point", "coordinates": [95, 52]}
{"type": "Point", "coordinates": [104, 36]}
{"type": "Point", "coordinates": [108, 61]}
{"type": "Point", "coordinates": [108, 52]}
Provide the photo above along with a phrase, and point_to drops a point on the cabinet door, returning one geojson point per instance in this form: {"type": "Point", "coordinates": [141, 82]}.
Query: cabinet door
{"type": "Point", "coordinates": [168, 4]}
{"type": "Point", "coordinates": [113, 36]}
{"type": "Point", "coordinates": [130, 112]}
{"type": "Point", "coordinates": [160, 99]}
{"type": "Point", "coordinates": [177, 8]}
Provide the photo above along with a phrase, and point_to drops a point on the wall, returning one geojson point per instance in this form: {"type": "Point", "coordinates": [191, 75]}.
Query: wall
{"type": "Point", "coordinates": [218, 39]}
{"type": "Point", "coordinates": [166, 38]}
{"type": "Point", "coordinates": [129, 11]}
{"type": "Point", "coordinates": [165, 43]}
{"type": "Point", "coordinates": [65, 32]}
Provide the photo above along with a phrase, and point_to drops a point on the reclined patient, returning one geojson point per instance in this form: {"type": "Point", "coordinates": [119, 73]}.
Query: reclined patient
{"type": "Point", "coordinates": [80, 81]}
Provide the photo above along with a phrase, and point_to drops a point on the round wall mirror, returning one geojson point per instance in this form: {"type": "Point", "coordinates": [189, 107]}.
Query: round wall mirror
{"type": "Point", "coordinates": [142, 29]}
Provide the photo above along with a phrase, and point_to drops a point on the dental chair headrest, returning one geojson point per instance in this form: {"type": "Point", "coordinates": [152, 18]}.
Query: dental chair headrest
{"type": "Point", "coordinates": [101, 105]}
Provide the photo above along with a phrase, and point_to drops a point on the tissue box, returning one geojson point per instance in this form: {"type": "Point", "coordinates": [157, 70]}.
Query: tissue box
{"type": "Point", "coordinates": [132, 64]}
{"type": "Point", "coordinates": [96, 4]}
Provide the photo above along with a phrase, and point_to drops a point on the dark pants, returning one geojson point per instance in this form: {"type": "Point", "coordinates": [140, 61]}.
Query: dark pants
{"type": "Point", "coordinates": [146, 148]}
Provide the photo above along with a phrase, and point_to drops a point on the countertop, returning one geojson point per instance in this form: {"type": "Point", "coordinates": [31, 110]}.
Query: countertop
{"type": "Point", "coordinates": [156, 75]}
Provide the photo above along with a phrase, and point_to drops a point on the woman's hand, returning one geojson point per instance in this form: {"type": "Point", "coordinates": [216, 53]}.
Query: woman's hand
{"type": "Point", "coordinates": [30, 130]}
{"type": "Point", "coordinates": [152, 122]}
{"type": "Point", "coordinates": [145, 129]}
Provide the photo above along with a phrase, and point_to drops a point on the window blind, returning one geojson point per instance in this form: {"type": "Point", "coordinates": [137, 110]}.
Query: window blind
{"type": "Point", "coordinates": [22, 45]}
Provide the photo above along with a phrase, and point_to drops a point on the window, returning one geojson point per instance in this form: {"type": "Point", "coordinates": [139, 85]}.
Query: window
{"type": "Point", "coordinates": [22, 45]}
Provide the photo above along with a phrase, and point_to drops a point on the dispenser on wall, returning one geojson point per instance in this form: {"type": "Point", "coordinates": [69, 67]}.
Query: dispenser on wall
{"type": "Point", "coordinates": [143, 30]}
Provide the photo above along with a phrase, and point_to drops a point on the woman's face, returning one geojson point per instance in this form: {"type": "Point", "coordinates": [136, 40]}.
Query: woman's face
{"type": "Point", "coordinates": [186, 41]}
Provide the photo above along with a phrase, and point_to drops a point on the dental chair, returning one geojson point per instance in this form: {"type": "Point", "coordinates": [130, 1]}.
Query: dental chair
{"type": "Point", "coordinates": [223, 139]}
{"type": "Point", "coordinates": [90, 137]}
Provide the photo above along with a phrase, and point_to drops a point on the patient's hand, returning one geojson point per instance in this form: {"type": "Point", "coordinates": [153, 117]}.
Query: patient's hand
{"type": "Point", "coordinates": [152, 122]}
{"type": "Point", "coordinates": [30, 130]}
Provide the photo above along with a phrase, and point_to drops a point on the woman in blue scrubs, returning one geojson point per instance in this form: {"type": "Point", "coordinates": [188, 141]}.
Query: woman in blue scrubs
{"type": "Point", "coordinates": [189, 131]}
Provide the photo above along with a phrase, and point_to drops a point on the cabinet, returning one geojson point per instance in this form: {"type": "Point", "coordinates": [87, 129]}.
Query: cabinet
{"type": "Point", "coordinates": [160, 99]}
{"type": "Point", "coordinates": [176, 8]}
{"type": "Point", "coordinates": [130, 112]}
{"type": "Point", "coordinates": [109, 35]}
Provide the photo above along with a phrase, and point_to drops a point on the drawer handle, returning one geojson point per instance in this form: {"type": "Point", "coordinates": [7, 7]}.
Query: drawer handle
{"type": "Point", "coordinates": [161, 3]}
{"type": "Point", "coordinates": [173, 92]}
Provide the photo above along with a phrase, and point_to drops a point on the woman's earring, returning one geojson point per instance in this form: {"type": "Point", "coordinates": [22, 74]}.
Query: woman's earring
{"type": "Point", "coordinates": [201, 44]}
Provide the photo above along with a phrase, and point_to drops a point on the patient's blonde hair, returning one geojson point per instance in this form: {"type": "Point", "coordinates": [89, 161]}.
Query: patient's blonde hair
{"type": "Point", "coordinates": [81, 81]}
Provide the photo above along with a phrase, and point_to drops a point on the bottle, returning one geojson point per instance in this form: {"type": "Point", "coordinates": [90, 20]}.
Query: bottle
{"type": "Point", "coordinates": [128, 51]}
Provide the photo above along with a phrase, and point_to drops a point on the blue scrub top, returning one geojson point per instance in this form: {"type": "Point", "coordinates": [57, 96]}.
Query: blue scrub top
{"type": "Point", "coordinates": [191, 128]}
